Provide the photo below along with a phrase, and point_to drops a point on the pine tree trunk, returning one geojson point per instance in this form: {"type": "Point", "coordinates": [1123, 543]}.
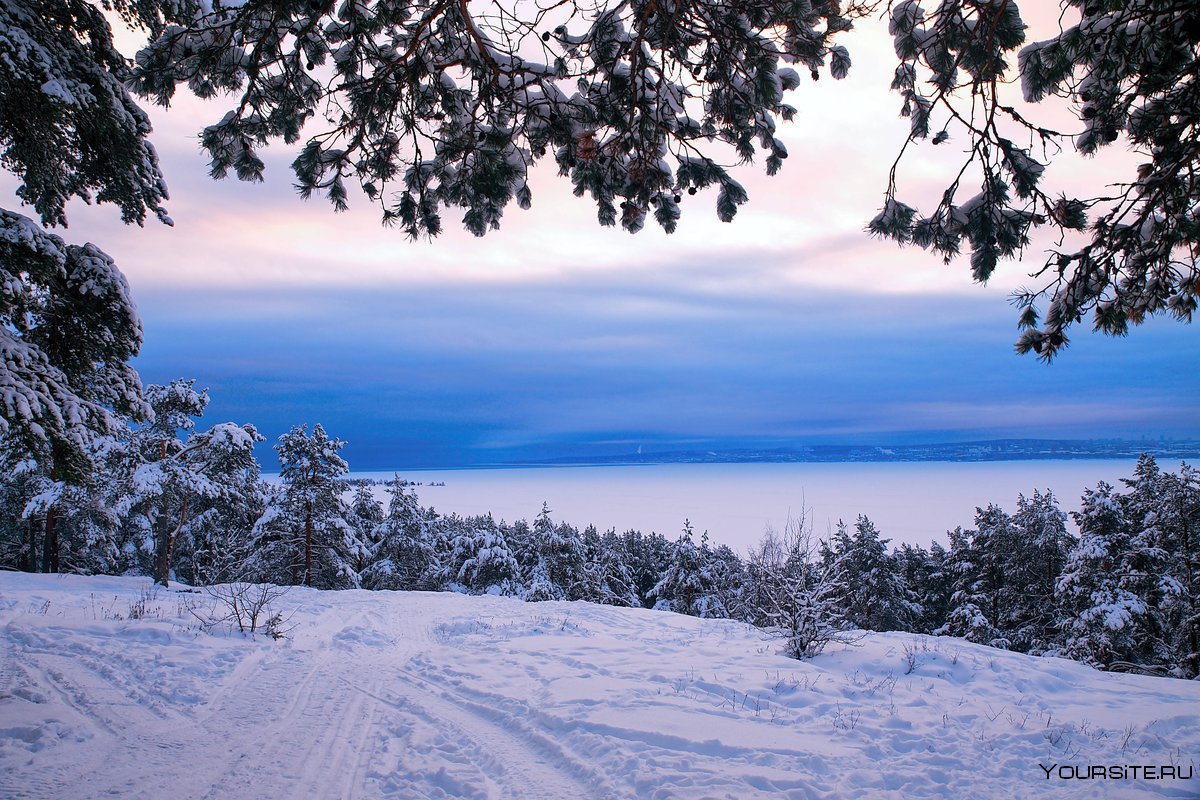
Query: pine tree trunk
{"type": "Point", "coordinates": [308, 533]}
{"type": "Point", "coordinates": [27, 559]}
{"type": "Point", "coordinates": [50, 542]}
{"type": "Point", "coordinates": [166, 547]}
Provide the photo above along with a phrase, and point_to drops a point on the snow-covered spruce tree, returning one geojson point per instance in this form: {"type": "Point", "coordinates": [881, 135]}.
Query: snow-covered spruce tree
{"type": "Point", "coordinates": [872, 595]}
{"type": "Point", "coordinates": [406, 554]}
{"type": "Point", "coordinates": [647, 556]}
{"type": "Point", "coordinates": [926, 574]}
{"type": "Point", "coordinates": [607, 579]}
{"type": "Point", "coordinates": [726, 575]}
{"type": "Point", "coordinates": [1130, 73]}
{"type": "Point", "coordinates": [558, 572]}
{"type": "Point", "coordinates": [218, 540]}
{"type": "Point", "coordinates": [434, 105]}
{"type": "Point", "coordinates": [977, 577]}
{"type": "Point", "coordinates": [1145, 567]}
{"type": "Point", "coordinates": [685, 586]}
{"type": "Point", "coordinates": [365, 515]}
{"type": "Point", "coordinates": [1179, 528]}
{"type": "Point", "coordinates": [303, 537]}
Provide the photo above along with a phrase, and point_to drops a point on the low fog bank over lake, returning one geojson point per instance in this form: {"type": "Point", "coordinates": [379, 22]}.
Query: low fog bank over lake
{"type": "Point", "coordinates": [909, 502]}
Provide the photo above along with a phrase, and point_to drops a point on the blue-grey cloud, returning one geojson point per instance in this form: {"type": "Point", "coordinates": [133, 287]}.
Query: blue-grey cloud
{"type": "Point", "coordinates": [445, 375]}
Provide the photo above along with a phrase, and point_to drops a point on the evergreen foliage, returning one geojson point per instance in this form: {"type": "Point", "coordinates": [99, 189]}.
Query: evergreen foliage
{"type": "Point", "coordinates": [1128, 71]}
{"type": "Point", "coordinates": [435, 105]}
{"type": "Point", "coordinates": [872, 594]}
{"type": "Point", "coordinates": [479, 560]}
{"type": "Point", "coordinates": [404, 556]}
{"type": "Point", "coordinates": [303, 536]}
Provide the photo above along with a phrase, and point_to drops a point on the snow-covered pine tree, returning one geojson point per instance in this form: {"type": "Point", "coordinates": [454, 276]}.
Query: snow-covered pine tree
{"type": "Point", "coordinates": [479, 559]}
{"type": "Point", "coordinates": [607, 579]}
{"type": "Point", "coordinates": [626, 100]}
{"type": "Point", "coordinates": [303, 536]}
{"type": "Point", "coordinates": [87, 527]}
{"type": "Point", "coordinates": [68, 326]}
{"type": "Point", "coordinates": [448, 106]}
{"type": "Point", "coordinates": [182, 475]}
{"type": "Point", "coordinates": [405, 557]}
{"type": "Point", "coordinates": [18, 535]}
{"type": "Point", "coordinates": [558, 572]}
{"type": "Point", "coordinates": [1042, 544]}
{"type": "Point", "coordinates": [1102, 616]}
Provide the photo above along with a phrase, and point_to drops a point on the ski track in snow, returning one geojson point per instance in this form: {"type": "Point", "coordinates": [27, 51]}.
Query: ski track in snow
{"type": "Point", "coordinates": [413, 696]}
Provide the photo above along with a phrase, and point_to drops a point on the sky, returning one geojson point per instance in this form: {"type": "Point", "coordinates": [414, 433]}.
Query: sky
{"type": "Point", "coordinates": [555, 337]}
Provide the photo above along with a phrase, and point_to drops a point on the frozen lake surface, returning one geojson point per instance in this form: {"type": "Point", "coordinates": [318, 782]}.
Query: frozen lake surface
{"type": "Point", "coordinates": [909, 502]}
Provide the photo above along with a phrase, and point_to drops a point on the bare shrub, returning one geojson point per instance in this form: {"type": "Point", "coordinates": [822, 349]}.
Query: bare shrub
{"type": "Point", "coordinates": [246, 607]}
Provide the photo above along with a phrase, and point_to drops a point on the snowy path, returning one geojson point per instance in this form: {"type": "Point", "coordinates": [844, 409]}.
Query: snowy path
{"type": "Point", "coordinates": [413, 696]}
{"type": "Point", "coordinates": [343, 715]}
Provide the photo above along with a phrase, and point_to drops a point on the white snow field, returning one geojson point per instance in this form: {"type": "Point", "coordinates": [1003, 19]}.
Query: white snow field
{"type": "Point", "coordinates": [109, 688]}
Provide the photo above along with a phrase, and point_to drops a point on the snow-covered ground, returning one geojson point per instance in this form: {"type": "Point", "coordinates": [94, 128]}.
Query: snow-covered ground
{"type": "Point", "coordinates": [414, 695]}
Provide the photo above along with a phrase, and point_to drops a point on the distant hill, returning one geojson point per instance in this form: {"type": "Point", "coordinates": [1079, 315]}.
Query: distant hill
{"type": "Point", "coordinates": [992, 450]}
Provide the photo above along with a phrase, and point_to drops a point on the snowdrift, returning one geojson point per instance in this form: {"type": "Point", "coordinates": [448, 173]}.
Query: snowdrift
{"type": "Point", "coordinates": [112, 688]}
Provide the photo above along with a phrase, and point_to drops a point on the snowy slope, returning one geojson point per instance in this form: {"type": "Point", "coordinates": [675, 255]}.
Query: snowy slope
{"type": "Point", "coordinates": [413, 695]}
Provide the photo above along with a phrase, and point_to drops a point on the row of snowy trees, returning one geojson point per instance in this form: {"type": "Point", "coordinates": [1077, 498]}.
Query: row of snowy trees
{"type": "Point", "coordinates": [174, 500]}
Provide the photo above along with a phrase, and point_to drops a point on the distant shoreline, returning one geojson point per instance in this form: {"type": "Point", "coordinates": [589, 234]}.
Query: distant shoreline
{"type": "Point", "coordinates": [998, 450]}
